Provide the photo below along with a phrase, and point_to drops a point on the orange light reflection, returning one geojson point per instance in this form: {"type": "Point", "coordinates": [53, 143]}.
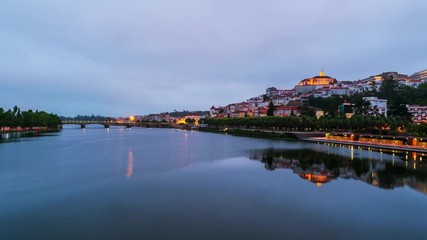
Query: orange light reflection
{"type": "Point", "coordinates": [130, 165]}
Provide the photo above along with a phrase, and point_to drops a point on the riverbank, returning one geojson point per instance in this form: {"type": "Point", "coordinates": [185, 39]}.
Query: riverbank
{"type": "Point", "coordinates": [379, 146]}
{"type": "Point", "coordinates": [18, 133]}
{"type": "Point", "coordinates": [318, 137]}
{"type": "Point", "coordinates": [262, 133]}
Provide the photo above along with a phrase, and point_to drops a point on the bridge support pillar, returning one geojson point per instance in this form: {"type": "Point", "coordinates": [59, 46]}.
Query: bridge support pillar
{"type": "Point", "coordinates": [106, 126]}
{"type": "Point", "coordinates": [82, 125]}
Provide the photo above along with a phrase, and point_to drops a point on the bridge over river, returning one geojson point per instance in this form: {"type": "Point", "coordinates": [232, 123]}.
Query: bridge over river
{"type": "Point", "coordinates": [107, 124]}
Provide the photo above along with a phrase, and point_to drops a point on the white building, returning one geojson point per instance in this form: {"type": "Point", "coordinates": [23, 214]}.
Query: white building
{"type": "Point", "coordinates": [341, 91]}
{"type": "Point", "coordinates": [255, 101]}
{"type": "Point", "coordinates": [420, 76]}
{"type": "Point", "coordinates": [413, 83]}
{"type": "Point", "coordinates": [419, 113]}
{"type": "Point", "coordinates": [272, 91]}
{"type": "Point", "coordinates": [378, 106]}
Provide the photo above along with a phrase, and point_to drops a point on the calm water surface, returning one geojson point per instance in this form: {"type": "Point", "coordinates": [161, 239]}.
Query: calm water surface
{"type": "Point", "coordinates": [169, 184]}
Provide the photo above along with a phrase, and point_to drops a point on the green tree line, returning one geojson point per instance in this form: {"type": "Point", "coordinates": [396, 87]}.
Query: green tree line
{"type": "Point", "coordinates": [87, 118]}
{"type": "Point", "coordinates": [14, 118]}
{"type": "Point", "coordinates": [357, 124]}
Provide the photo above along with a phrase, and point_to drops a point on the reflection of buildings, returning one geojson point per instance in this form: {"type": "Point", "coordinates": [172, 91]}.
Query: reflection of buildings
{"type": "Point", "coordinates": [320, 168]}
{"type": "Point", "coordinates": [318, 178]}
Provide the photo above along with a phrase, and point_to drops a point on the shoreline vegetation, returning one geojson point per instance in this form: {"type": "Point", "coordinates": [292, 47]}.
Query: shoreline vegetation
{"type": "Point", "coordinates": [379, 125]}
{"type": "Point", "coordinates": [361, 131]}
{"type": "Point", "coordinates": [369, 142]}
{"type": "Point", "coordinates": [17, 121]}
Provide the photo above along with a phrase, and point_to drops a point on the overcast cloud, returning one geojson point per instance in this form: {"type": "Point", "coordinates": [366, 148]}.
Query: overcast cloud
{"type": "Point", "coordinates": [137, 57]}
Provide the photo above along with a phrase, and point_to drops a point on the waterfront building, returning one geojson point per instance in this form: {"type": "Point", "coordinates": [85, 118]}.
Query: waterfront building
{"type": "Point", "coordinates": [243, 107]}
{"type": "Point", "coordinates": [286, 111]}
{"type": "Point", "coordinates": [419, 113]}
{"type": "Point", "coordinates": [378, 106]}
{"type": "Point", "coordinates": [311, 84]}
{"type": "Point", "coordinates": [213, 112]}
{"type": "Point", "coordinates": [261, 112]}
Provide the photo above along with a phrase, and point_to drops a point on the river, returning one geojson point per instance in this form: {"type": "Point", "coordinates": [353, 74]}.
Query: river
{"type": "Point", "coordinates": [142, 183]}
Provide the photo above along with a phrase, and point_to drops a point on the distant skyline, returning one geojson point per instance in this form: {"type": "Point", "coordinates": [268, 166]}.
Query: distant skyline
{"type": "Point", "coordinates": [120, 58]}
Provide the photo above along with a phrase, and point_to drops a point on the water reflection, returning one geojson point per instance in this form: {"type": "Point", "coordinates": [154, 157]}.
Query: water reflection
{"type": "Point", "coordinates": [322, 167]}
{"type": "Point", "coordinates": [129, 172]}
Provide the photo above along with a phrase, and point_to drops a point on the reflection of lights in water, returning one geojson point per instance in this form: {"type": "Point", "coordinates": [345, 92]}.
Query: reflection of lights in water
{"type": "Point", "coordinates": [352, 152]}
{"type": "Point", "coordinates": [130, 165]}
{"type": "Point", "coordinates": [319, 184]}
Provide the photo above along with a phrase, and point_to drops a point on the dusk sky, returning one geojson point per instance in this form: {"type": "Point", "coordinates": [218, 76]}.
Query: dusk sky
{"type": "Point", "coordinates": [120, 58]}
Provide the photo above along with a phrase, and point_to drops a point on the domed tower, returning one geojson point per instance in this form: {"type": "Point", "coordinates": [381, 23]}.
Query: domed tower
{"type": "Point", "coordinates": [311, 84]}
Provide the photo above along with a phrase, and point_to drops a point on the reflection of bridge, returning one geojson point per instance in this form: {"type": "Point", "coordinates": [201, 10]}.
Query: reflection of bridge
{"type": "Point", "coordinates": [107, 124]}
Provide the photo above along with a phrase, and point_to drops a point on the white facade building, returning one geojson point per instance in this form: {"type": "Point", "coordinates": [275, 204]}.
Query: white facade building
{"type": "Point", "coordinates": [419, 113]}
{"type": "Point", "coordinates": [378, 106]}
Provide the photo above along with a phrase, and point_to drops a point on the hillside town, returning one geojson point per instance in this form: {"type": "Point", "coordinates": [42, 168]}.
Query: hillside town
{"type": "Point", "coordinates": [289, 101]}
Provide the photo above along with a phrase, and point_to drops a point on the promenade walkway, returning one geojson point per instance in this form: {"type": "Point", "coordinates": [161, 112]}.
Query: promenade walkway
{"type": "Point", "coordinates": [370, 145]}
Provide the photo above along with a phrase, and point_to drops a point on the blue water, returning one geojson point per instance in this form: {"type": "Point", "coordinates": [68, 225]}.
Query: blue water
{"type": "Point", "coordinates": [170, 184]}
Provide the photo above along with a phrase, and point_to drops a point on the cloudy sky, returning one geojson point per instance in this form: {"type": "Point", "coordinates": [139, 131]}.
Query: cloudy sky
{"type": "Point", "coordinates": [119, 58]}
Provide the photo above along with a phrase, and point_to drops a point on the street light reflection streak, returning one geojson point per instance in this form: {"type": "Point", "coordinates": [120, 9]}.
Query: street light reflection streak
{"type": "Point", "coordinates": [130, 165]}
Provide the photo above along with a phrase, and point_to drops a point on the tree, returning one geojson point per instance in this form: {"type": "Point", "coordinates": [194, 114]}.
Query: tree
{"type": "Point", "coordinates": [401, 111]}
{"type": "Point", "coordinates": [389, 88]}
{"type": "Point", "coordinates": [271, 109]}
{"type": "Point", "coordinates": [306, 110]}
{"type": "Point", "coordinates": [190, 120]}
{"type": "Point", "coordinates": [361, 106]}
{"type": "Point", "coordinates": [333, 104]}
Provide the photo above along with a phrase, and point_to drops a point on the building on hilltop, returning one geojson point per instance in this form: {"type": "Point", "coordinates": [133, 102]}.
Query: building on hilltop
{"type": "Point", "coordinates": [374, 82]}
{"type": "Point", "coordinates": [422, 75]}
{"type": "Point", "coordinates": [311, 84]}
{"type": "Point", "coordinates": [380, 77]}
{"type": "Point", "coordinates": [272, 92]}
{"type": "Point", "coordinates": [414, 83]}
